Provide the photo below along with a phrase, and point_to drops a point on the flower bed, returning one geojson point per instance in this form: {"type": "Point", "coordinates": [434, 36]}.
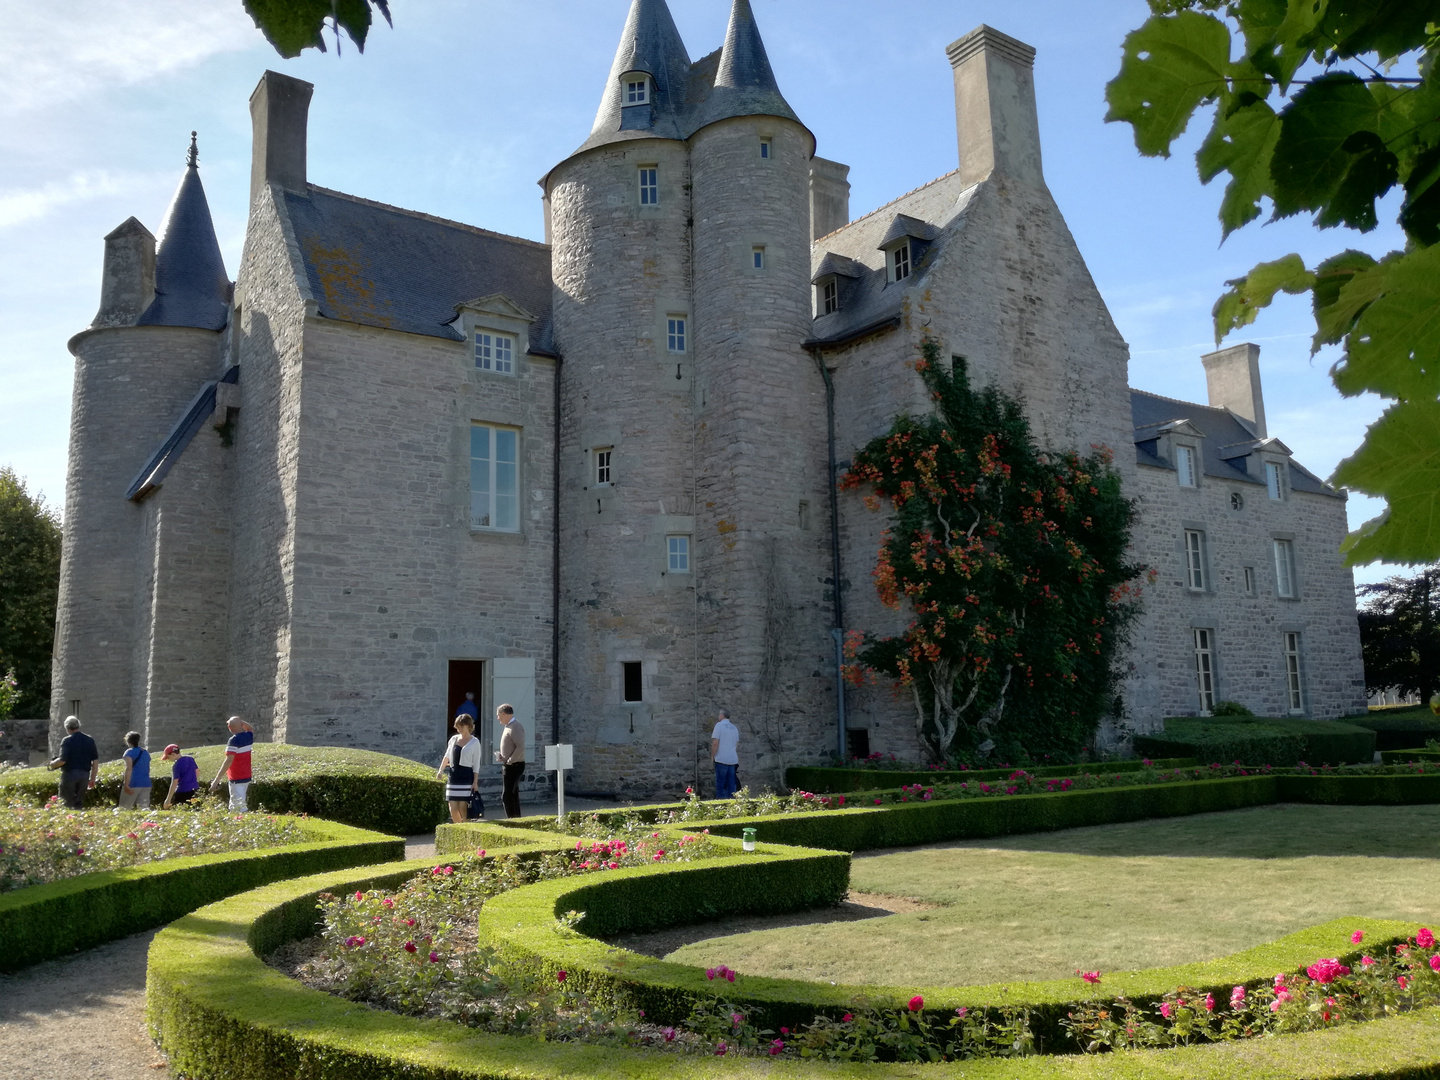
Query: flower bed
{"type": "Point", "coordinates": [217, 1010]}
{"type": "Point", "coordinates": [51, 843]}
{"type": "Point", "coordinates": [861, 776]}
{"type": "Point", "coordinates": [48, 920]}
{"type": "Point", "coordinates": [357, 787]}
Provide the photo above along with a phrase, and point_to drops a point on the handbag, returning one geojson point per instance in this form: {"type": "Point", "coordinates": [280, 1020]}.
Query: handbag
{"type": "Point", "coordinates": [477, 806]}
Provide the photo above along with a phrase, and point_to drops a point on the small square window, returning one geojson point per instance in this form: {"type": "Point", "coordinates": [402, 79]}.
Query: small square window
{"type": "Point", "coordinates": [765, 148]}
{"type": "Point", "coordinates": [675, 334]}
{"type": "Point", "coordinates": [637, 92]}
{"type": "Point", "coordinates": [602, 464]}
{"type": "Point", "coordinates": [649, 185]}
{"type": "Point", "coordinates": [830, 297]}
{"type": "Point", "coordinates": [757, 254]}
{"type": "Point", "coordinates": [678, 553]}
{"type": "Point", "coordinates": [1275, 480]}
{"type": "Point", "coordinates": [1185, 465]}
{"type": "Point", "coordinates": [494, 352]}
{"type": "Point", "coordinates": [900, 262]}
{"type": "Point", "coordinates": [632, 680]}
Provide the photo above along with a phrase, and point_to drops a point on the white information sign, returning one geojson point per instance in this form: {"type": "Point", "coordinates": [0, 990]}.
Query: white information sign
{"type": "Point", "coordinates": [558, 758]}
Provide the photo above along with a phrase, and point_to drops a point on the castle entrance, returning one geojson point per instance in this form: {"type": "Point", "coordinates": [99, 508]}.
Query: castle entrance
{"type": "Point", "coordinates": [465, 676]}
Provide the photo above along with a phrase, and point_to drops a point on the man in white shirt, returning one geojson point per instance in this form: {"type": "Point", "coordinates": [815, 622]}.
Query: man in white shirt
{"type": "Point", "coordinates": [724, 746]}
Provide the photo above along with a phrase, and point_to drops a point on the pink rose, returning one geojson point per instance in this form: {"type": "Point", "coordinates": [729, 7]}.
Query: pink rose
{"type": "Point", "coordinates": [434, 957]}
{"type": "Point", "coordinates": [917, 1003]}
{"type": "Point", "coordinates": [1367, 960]}
{"type": "Point", "coordinates": [1425, 939]}
{"type": "Point", "coordinates": [359, 895]}
{"type": "Point", "coordinates": [410, 946]}
{"type": "Point", "coordinates": [1357, 937]}
{"type": "Point", "coordinates": [776, 1046]}
{"type": "Point", "coordinates": [1165, 1009]}
{"type": "Point", "coordinates": [561, 975]}
{"type": "Point", "coordinates": [669, 1034]}
{"type": "Point", "coordinates": [1274, 1006]}
{"type": "Point", "coordinates": [847, 1018]}
{"type": "Point", "coordinates": [1435, 962]}
{"type": "Point", "coordinates": [1209, 1002]}
{"type": "Point", "coordinates": [1237, 997]}
{"type": "Point", "coordinates": [1403, 982]}
{"type": "Point", "coordinates": [1091, 977]}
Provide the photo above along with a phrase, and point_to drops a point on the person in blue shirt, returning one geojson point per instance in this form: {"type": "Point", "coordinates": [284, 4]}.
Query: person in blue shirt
{"type": "Point", "coordinates": [468, 708]}
{"type": "Point", "coordinates": [135, 788]}
{"type": "Point", "coordinates": [79, 762]}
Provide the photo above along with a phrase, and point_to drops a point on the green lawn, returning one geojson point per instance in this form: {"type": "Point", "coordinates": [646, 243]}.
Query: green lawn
{"type": "Point", "coordinates": [1115, 897]}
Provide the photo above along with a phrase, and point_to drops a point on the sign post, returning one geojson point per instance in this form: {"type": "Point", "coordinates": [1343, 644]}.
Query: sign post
{"type": "Point", "coordinates": [558, 758]}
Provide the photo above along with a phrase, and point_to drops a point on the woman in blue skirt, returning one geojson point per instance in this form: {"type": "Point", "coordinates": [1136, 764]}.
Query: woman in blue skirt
{"type": "Point", "coordinates": [462, 759]}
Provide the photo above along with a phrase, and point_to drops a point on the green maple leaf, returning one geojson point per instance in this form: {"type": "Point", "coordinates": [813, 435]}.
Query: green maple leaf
{"type": "Point", "coordinates": [1240, 144]}
{"type": "Point", "coordinates": [1420, 215]}
{"type": "Point", "coordinates": [1171, 64]}
{"type": "Point", "coordinates": [1328, 157]}
{"type": "Point", "coordinates": [1394, 348]}
{"type": "Point", "coordinates": [1400, 462]}
{"type": "Point", "coordinates": [1246, 296]}
{"type": "Point", "coordinates": [1336, 303]}
{"type": "Point", "coordinates": [293, 26]}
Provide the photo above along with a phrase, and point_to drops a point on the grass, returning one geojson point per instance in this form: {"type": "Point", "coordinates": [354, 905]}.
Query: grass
{"type": "Point", "coordinates": [1114, 897]}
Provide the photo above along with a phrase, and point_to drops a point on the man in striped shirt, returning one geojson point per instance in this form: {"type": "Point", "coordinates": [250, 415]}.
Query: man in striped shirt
{"type": "Point", "coordinates": [236, 767]}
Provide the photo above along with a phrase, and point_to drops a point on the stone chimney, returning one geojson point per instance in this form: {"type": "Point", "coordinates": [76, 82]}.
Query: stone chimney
{"type": "Point", "coordinates": [829, 196]}
{"type": "Point", "coordinates": [127, 283]}
{"type": "Point", "coordinates": [1233, 378]}
{"type": "Point", "coordinates": [279, 112]}
{"type": "Point", "coordinates": [995, 116]}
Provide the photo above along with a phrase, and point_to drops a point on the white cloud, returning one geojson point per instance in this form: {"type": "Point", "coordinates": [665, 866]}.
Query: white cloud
{"type": "Point", "coordinates": [21, 205]}
{"type": "Point", "coordinates": [52, 52]}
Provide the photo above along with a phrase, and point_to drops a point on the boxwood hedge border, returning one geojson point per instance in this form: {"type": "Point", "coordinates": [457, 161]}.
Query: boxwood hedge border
{"type": "Point", "coordinates": [218, 1011]}
{"type": "Point", "coordinates": [833, 779]}
{"type": "Point", "coordinates": [41, 922]}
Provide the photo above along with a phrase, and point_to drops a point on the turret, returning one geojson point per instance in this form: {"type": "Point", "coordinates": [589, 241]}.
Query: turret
{"type": "Point", "coordinates": [152, 344]}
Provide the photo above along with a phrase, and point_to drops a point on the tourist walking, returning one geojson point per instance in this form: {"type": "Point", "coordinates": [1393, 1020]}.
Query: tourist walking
{"type": "Point", "coordinates": [184, 776]}
{"type": "Point", "coordinates": [78, 762]}
{"type": "Point", "coordinates": [468, 707]}
{"type": "Point", "coordinates": [135, 787]}
{"type": "Point", "coordinates": [511, 757]}
{"type": "Point", "coordinates": [725, 753]}
{"type": "Point", "coordinates": [236, 766]}
{"type": "Point", "coordinates": [462, 761]}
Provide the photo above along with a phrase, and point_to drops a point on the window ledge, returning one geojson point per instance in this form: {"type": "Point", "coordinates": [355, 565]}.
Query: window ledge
{"type": "Point", "coordinates": [496, 536]}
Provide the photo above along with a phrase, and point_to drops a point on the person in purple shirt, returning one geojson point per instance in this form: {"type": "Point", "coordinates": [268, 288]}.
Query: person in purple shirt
{"type": "Point", "coordinates": [184, 776]}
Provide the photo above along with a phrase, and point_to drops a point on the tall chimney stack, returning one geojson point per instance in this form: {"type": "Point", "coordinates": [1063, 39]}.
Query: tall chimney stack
{"type": "Point", "coordinates": [279, 113]}
{"type": "Point", "coordinates": [1233, 378]}
{"type": "Point", "coordinates": [995, 116]}
{"type": "Point", "coordinates": [127, 282]}
{"type": "Point", "coordinates": [829, 196]}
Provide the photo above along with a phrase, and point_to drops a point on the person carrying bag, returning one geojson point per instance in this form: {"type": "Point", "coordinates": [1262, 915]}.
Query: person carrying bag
{"type": "Point", "coordinates": [462, 762]}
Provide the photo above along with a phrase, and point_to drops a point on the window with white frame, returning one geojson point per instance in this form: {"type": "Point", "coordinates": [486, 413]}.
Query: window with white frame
{"type": "Point", "coordinates": [1285, 569]}
{"type": "Point", "coordinates": [649, 185]}
{"type": "Point", "coordinates": [494, 478]}
{"type": "Point", "coordinates": [1293, 689]}
{"type": "Point", "coordinates": [494, 352]}
{"type": "Point", "coordinates": [1185, 465]}
{"type": "Point", "coordinates": [829, 296]}
{"type": "Point", "coordinates": [675, 333]}
{"type": "Point", "coordinates": [1275, 479]}
{"type": "Point", "coordinates": [757, 256]}
{"type": "Point", "coordinates": [1195, 560]}
{"type": "Point", "coordinates": [637, 91]}
{"type": "Point", "coordinates": [900, 262]}
{"type": "Point", "coordinates": [603, 472]}
{"type": "Point", "coordinates": [1205, 669]}
{"type": "Point", "coordinates": [677, 550]}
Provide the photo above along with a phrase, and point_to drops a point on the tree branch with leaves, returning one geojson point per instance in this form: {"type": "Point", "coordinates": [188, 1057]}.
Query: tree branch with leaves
{"type": "Point", "coordinates": [1322, 107]}
{"type": "Point", "coordinates": [1012, 564]}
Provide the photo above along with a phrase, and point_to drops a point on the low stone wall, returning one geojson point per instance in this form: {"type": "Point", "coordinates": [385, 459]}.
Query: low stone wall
{"type": "Point", "coordinates": [25, 742]}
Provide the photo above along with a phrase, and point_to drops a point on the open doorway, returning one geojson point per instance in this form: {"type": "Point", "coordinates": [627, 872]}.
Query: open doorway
{"type": "Point", "coordinates": [466, 676]}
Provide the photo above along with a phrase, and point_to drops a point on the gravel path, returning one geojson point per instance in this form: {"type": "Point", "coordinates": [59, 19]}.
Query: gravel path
{"type": "Point", "coordinates": [80, 1018]}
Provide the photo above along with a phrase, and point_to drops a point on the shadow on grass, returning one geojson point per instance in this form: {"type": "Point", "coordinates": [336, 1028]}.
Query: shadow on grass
{"type": "Point", "coordinates": [1281, 831]}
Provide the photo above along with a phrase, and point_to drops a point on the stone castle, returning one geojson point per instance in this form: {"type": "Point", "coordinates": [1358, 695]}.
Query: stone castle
{"type": "Point", "coordinates": [401, 458]}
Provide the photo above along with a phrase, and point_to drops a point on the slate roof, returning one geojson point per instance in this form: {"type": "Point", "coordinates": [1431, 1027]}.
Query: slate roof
{"type": "Point", "coordinates": [868, 302]}
{"type": "Point", "coordinates": [379, 265]}
{"type": "Point", "coordinates": [191, 285]}
{"type": "Point", "coordinates": [735, 80]}
{"type": "Point", "coordinates": [1224, 434]}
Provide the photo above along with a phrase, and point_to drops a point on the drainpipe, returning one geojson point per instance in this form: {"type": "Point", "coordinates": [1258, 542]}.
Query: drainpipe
{"type": "Point", "coordinates": [837, 632]}
{"type": "Point", "coordinates": [555, 571]}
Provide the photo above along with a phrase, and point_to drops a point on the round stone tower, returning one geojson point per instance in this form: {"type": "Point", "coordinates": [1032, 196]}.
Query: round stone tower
{"type": "Point", "coordinates": [692, 421]}
{"type": "Point", "coordinates": [153, 343]}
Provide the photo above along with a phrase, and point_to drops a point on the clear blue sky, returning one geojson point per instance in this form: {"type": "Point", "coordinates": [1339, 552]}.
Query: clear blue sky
{"type": "Point", "coordinates": [464, 105]}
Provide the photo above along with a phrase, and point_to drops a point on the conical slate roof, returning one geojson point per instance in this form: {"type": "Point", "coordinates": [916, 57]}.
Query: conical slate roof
{"type": "Point", "coordinates": [191, 285]}
{"type": "Point", "coordinates": [738, 81]}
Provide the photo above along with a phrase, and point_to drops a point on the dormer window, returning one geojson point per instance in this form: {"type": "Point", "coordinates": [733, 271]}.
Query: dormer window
{"type": "Point", "coordinates": [829, 296]}
{"type": "Point", "coordinates": [1275, 480]}
{"type": "Point", "coordinates": [494, 352]}
{"type": "Point", "coordinates": [637, 90]}
{"type": "Point", "coordinates": [1185, 466]}
{"type": "Point", "coordinates": [897, 261]}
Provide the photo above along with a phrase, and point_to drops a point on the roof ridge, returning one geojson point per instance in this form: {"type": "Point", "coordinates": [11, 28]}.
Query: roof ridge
{"type": "Point", "coordinates": [427, 217]}
{"type": "Point", "coordinates": [1178, 401]}
{"type": "Point", "coordinates": [892, 202]}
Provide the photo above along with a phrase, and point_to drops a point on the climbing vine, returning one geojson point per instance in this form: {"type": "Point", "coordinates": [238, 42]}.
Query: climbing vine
{"type": "Point", "coordinates": [1012, 563]}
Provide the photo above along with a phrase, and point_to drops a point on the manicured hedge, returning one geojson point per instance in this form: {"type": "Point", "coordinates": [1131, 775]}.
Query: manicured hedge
{"type": "Point", "coordinates": [219, 1012]}
{"type": "Point", "coordinates": [1260, 742]}
{"type": "Point", "coordinates": [834, 780]}
{"type": "Point", "coordinates": [357, 787]}
{"type": "Point", "coordinates": [457, 840]}
{"type": "Point", "coordinates": [40, 922]}
{"type": "Point", "coordinates": [1400, 757]}
{"type": "Point", "coordinates": [1389, 789]}
{"type": "Point", "coordinates": [1400, 729]}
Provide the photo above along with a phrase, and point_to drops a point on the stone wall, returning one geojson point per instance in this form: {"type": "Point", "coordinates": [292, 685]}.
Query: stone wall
{"type": "Point", "coordinates": [1249, 654]}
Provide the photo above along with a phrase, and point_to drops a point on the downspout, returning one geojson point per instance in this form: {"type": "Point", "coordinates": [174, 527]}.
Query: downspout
{"type": "Point", "coordinates": [837, 632]}
{"type": "Point", "coordinates": [555, 569]}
